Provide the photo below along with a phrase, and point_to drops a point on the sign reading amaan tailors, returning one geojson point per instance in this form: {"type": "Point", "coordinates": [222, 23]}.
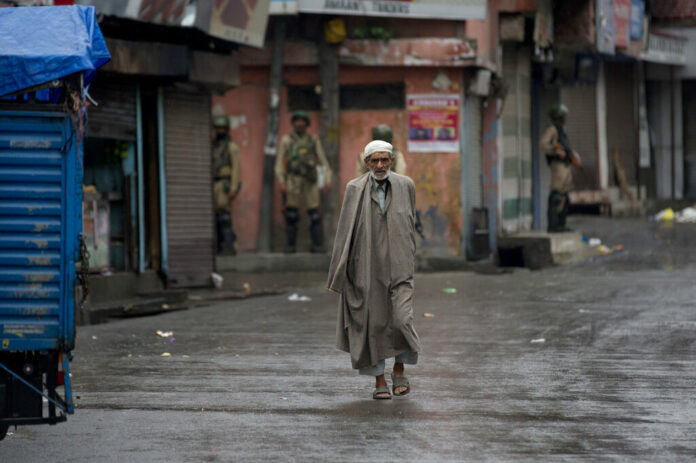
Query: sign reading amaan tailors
{"type": "Point", "coordinates": [439, 9]}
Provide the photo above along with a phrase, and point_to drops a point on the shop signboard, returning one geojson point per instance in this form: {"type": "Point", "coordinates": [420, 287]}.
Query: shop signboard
{"type": "Point", "coordinates": [455, 10]}
{"type": "Point", "coordinates": [637, 14]}
{"type": "Point", "coordinates": [433, 123]}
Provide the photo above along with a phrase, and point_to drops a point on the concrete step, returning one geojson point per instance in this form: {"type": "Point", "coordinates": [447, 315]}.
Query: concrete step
{"type": "Point", "coordinates": [539, 249]}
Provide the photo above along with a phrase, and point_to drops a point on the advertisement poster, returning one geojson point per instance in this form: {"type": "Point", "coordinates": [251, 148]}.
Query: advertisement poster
{"type": "Point", "coordinates": [433, 123]}
{"type": "Point", "coordinates": [622, 18]}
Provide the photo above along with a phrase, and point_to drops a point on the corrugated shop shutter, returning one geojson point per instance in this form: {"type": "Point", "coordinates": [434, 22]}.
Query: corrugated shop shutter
{"type": "Point", "coordinates": [115, 115]}
{"type": "Point", "coordinates": [621, 130]}
{"type": "Point", "coordinates": [190, 231]}
{"type": "Point", "coordinates": [689, 91]}
{"type": "Point", "coordinates": [39, 225]}
{"type": "Point", "coordinates": [582, 132]}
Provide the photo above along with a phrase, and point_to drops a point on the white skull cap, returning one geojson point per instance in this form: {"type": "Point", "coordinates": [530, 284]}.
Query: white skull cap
{"type": "Point", "coordinates": [376, 146]}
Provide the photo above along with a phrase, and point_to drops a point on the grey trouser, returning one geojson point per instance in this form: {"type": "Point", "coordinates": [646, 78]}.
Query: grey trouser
{"type": "Point", "coordinates": [409, 358]}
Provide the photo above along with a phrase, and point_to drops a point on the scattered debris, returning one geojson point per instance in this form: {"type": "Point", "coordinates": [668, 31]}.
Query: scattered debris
{"type": "Point", "coordinates": [294, 297]}
{"type": "Point", "coordinates": [665, 215]}
{"type": "Point", "coordinates": [166, 354]}
{"type": "Point", "coordinates": [537, 341]}
{"type": "Point", "coordinates": [687, 215]}
{"type": "Point", "coordinates": [594, 242]}
{"type": "Point", "coordinates": [428, 315]}
{"type": "Point", "coordinates": [247, 288]}
{"type": "Point", "coordinates": [173, 340]}
{"type": "Point", "coordinates": [217, 280]}
{"type": "Point", "coordinates": [165, 306]}
{"type": "Point", "coordinates": [195, 298]}
{"type": "Point", "coordinates": [94, 337]}
{"type": "Point", "coordinates": [449, 290]}
{"type": "Point", "coordinates": [164, 334]}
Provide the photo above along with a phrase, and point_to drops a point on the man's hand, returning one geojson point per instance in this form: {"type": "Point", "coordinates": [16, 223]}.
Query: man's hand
{"type": "Point", "coordinates": [559, 151]}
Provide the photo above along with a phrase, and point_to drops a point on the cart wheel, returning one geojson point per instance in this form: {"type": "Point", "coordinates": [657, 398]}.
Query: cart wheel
{"type": "Point", "coordinates": [3, 430]}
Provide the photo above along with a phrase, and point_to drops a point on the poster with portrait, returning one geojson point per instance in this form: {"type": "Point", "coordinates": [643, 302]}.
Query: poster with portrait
{"type": "Point", "coordinates": [433, 123]}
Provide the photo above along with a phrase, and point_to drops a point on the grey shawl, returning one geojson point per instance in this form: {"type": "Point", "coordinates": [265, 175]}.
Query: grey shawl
{"type": "Point", "coordinates": [374, 324]}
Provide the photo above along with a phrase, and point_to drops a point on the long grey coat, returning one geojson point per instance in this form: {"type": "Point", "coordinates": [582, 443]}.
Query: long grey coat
{"type": "Point", "coordinates": [375, 280]}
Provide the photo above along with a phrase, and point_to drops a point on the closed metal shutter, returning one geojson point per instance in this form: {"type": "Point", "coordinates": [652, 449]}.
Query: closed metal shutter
{"type": "Point", "coordinates": [115, 115]}
{"type": "Point", "coordinates": [582, 132]}
{"type": "Point", "coordinates": [621, 130]}
{"type": "Point", "coordinates": [689, 91]}
{"type": "Point", "coordinates": [190, 231]}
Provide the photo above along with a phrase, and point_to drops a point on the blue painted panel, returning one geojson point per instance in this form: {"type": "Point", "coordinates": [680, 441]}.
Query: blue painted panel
{"type": "Point", "coordinates": [29, 275]}
{"type": "Point", "coordinates": [41, 141]}
{"type": "Point", "coordinates": [30, 158]}
{"type": "Point", "coordinates": [32, 124]}
{"type": "Point", "coordinates": [29, 308]}
{"type": "Point", "coordinates": [30, 174]}
{"type": "Point", "coordinates": [33, 224]}
{"type": "Point", "coordinates": [29, 291]}
{"type": "Point", "coordinates": [29, 207]}
{"type": "Point", "coordinates": [27, 328]}
{"type": "Point", "coordinates": [40, 222]}
{"type": "Point", "coordinates": [30, 241]}
{"type": "Point", "coordinates": [29, 344]}
{"type": "Point", "coordinates": [29, 258]}
{"type": "Point", "coordinates": [19, 191]}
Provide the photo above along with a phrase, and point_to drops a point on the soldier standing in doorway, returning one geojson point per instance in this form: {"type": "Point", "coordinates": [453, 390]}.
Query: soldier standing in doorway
{"type": "Point", "coordinates": [296, 171]}
{"type": "Point", "coordinates": [226, 185]}
{"type": "Point", "coordinates": [560, 157]}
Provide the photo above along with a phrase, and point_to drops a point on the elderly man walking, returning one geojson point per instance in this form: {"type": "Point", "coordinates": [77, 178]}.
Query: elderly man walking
{"type": "Point", "coordinates": [372, 268]}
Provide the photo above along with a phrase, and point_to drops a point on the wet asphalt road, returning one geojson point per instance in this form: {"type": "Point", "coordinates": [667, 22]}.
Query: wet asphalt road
{"type": "Point", "coordinates": [259, 379]}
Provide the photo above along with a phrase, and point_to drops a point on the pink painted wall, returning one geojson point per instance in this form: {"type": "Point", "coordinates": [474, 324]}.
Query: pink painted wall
{"type": "Point", "coordinates": [437, 175]}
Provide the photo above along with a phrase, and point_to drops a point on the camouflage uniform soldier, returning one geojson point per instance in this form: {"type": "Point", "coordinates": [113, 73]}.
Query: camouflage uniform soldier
{"type": "Point", "coordinates": [226, 184]}
{"type": "Point", "coordinates": [383, 132]}
{"type": "Point", "coordinates": [560, 157]}
{"type": "Point", "coordinates": [296, 164]}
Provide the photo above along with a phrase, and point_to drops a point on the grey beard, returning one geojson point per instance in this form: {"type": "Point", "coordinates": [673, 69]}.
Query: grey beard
{"type": "Point", "coordinates": [386, 176]}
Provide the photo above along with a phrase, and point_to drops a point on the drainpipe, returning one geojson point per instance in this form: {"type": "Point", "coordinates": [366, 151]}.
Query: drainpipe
{"type": "Point", "coordinates": [140, 172]}
{"type": "Point", "coordinates": [162, 181]}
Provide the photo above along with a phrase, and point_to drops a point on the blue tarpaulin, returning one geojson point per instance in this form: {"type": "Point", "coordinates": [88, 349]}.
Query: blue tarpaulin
{"type": "Point", "coordinates": [41, 44]}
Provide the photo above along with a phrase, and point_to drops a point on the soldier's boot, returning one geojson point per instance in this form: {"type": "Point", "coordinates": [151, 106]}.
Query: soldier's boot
{"type": "Point", "coordinates": [225, 235]}
{"type": "Point", "coordinates": [563, 214]}
{"type": "Point", "coordinates": [554, 211]}
{"type": "Point", "coordinates": [315, 231]}
{"type": "Point", "coordinates": [291, 218]}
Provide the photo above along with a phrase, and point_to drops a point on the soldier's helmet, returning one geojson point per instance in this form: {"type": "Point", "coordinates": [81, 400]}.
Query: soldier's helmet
{"type": "Point", "coordinates": [300, 114]}
{"type": "Point", "coordinates": [382, 132]}
{"type": "Point", "coordinates": [558, 112]}
{"type": "Point", "coordinates": [221, 121]}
